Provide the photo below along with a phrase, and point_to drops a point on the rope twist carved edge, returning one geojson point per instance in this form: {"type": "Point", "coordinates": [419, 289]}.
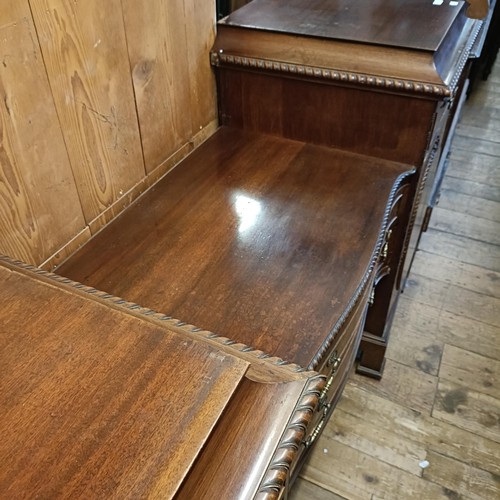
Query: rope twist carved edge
{"type": "Point", "coordinates": [277, 473]}
{"type": "Point", "coordinates": [366, 278]}
{"type": "Point", "coordinates": [222, 59]}
{"type": "Point", "coordinates": [156, 316]}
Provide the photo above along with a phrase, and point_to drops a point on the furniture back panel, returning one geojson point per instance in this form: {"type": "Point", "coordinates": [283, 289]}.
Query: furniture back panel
{"type": "Point", "coordinates": [356, 120]}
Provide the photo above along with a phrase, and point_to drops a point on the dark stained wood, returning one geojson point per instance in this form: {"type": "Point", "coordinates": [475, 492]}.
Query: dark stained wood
{"type": "Point", "coordinates": [317, 113]}
{"type": "Point", "coordinates": [96, 403]}
{"type": "Point", "coordinates": [257, 238]}
{"type": "Point", "coordinates": [381, 78]}
{"type": "Point", "coordinates": [401, 23]}
{"type": "Point", "coordinates": [385, 422]}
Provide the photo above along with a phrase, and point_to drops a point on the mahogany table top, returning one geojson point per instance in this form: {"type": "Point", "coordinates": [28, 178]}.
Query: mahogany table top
{"type": "Point", "coordinates": [413, 24]}
{"type": "Point", "coordinates": [95, 403]}
{"type": "Point", "coordinates": [261, 239]}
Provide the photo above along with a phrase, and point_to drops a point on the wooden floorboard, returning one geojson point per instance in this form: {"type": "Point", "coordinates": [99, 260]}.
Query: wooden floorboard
{"type": "Point", "coordinates": [431, 427]}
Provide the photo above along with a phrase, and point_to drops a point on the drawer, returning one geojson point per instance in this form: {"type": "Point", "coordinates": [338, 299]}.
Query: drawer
{"type": "Point", "coordinates": [337, 365]}
{"type": "Point", "coordinates": [347, 331]}
{"type": "Point", "coordinates": [342, 361]}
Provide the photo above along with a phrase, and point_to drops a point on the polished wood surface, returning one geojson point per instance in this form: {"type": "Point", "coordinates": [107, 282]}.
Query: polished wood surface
{"type": "Point", "coordinates": [293, 69]}
{"type": "Point", "coordinates": [263, 367]}
{"type": "Point", "coordinates": [97, 403]}
{"type": "Point", "coordinates": [337, 117]}
{"type": "Point", "coordinates": [95, 106]}
{"type": "Point", "coordinates": [260, 239]}
{"type": "Point", "coordinates": [401, 23]}
{"type": "Point", "coordinates": [439, 397]}
{"type": "Point", "coordinates": [244, 442]}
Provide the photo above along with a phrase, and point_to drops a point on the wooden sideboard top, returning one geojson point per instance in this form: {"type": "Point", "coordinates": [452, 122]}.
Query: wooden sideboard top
{"type": "Point", "coordinates": [261, 239]}
{"type": "Point", "coordinates": [400, 46]}
{"type": "Point", "coordinates": [96, 403]}
{"type": "Point", "coordinates": [413, 24]}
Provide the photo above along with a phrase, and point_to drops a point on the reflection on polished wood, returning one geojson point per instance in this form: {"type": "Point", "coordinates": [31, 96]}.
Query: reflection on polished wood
{"type": "Point", "coordinates": [260, 239]}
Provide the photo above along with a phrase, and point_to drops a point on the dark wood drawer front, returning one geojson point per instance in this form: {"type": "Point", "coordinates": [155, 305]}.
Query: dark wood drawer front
{"type": "Point", "coordinates": [338, 362]}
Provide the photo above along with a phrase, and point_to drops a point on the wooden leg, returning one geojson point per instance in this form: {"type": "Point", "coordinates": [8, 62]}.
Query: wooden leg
{"type": "Point", "coordinates": [372, 360]}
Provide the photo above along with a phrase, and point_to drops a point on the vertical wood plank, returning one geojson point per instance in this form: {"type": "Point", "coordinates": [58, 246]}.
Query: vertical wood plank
{"type": "Point", "coordinates": [39, 204]}
{"type": "Point", "coordinates": [158, 52]}
{"type": "Point", "coordinates": [200, 31]}
{"type": "Point", "coordinates": [85, 53]}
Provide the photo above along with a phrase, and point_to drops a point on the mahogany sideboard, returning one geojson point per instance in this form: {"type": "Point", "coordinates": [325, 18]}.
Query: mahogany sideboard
{"type": "Point", "coordinates": [265, 241]}
{"type": "Point", "coordinates": [375, 77]}
{"type": "Point", "coordinates": [266, 245]}
{"type": "Point", "coordinates": [271, 253]}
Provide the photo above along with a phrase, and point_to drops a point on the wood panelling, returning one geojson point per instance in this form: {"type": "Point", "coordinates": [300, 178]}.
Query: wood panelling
{"type": "Point", "coordinates": [158, 50]}
{"type": "Point", "coordinates": [85, 52]}
{"type": "Point", "coordinates": [98, 101]}
{"type": "Point", "coordinates": [174, 86]}
{"type": "Point", "coordinates": [200, 30]}
{"type": "Point", "coordinates": [39, 208]}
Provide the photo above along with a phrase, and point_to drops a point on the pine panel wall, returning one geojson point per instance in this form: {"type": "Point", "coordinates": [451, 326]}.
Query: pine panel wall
{"type": "Point", "coordinates": [97, 101]}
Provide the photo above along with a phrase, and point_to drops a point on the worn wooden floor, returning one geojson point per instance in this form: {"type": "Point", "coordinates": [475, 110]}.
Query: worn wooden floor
{"type": "Point", "coordinates": [439, 401]}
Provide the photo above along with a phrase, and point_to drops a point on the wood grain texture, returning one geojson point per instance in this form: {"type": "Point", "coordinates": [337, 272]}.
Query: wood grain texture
{"type": "Point", "coordinates": [456, 289]}
{"type": "Point", "coordinates": [415, 319]}
{"type": "Point", "coordinates": [84, 50]}
{"type": "Point", "coordinates": [159, 61]}
{"type": "Point", "coordinates": [353, 431]}
{"type": "Point", "coordinates": [426, 431]}
{"type": "Point", "coordinates": [239, 239]}
{"type": "Point", "coordinates": [407, 386]}
{"type": "Point", "coordinates": [466, 480]}
{"type": "Point", "coordinates": [468, 409]}
{"type": "Point", "coordinates": [85, 402]}
{"type": "Point", "coordinates": [200, 32]}
{"type": "Point", "coordinates": [477, 228]}
{"type": "Point", "coordinates": [484, 189]}
{"type": "Point", "coordinates": [39, 204]}
{"type": "Point", "coordinates": [477, 253]}
{"type": "Point", "coordinates": [374, 23]}
{"type": "Point", "coordinates": [264, 368]}
{"type": "Point", "coordinates": [245, 440]}
{"type": "Point", "coordinates": [473, 370]}
{"type": "Point", "coordinates": [368, 51]}
{"type": "Point", "coordinates": [454, 299]}
{"type": "Point", "coordinates": [358, 476]}
{"type": "Point", "coordinates": [323, 114]}
{"type": "Point", "coordinates": [470, 205]}
{"type": "Point", "coordinates": [305, 490]}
